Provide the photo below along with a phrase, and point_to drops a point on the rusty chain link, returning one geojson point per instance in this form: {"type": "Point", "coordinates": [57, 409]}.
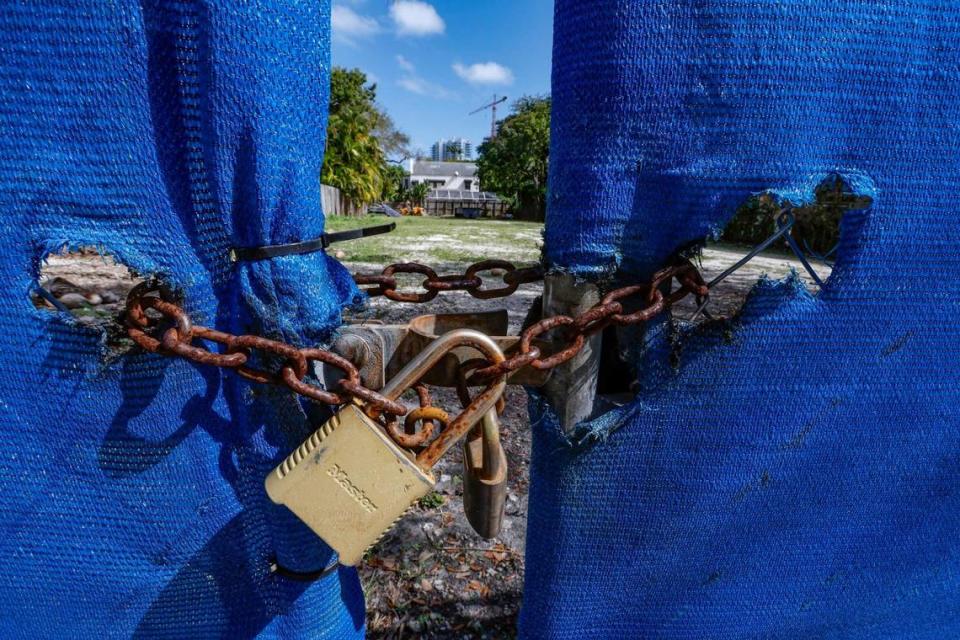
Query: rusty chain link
{"type": "Point", "coordinates": [178, 335]}
{"type": "Point", "coordinates": [178, 338]}
{"type": "Point", "coordinates": [429, 415]}
{"type": "Point", "coordinates": [470, 281]}
{"type": "Point", "coordinates": [608, 311]}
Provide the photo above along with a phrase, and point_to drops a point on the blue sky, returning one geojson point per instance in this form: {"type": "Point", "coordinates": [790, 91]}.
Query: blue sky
{"type": "Point", "coordinates": [434, 61]}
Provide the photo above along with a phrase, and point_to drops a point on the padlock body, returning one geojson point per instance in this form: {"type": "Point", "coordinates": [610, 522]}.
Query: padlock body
{"type": "Point", "coordinates": [484, 499]}
{"type": "Point", "coordinates": [349, 483]}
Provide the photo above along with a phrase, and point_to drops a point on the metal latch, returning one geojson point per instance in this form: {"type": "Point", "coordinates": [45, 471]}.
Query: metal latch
{"type": "Point", "coordinates": [381, 350]}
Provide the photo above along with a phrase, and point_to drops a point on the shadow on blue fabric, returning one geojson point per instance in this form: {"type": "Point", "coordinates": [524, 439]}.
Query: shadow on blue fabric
{"type": "Point", "coordinates": [796, 475]}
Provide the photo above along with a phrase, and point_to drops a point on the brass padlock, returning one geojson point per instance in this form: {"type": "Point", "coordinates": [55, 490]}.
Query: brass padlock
{"type": "Point", "coordinates": [349, 482]}
{"type": "Point", "coordinates": [485, 477]}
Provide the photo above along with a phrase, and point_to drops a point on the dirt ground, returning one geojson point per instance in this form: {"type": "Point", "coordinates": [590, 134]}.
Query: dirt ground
{"type": "Point", "coordinates": [432, 576]}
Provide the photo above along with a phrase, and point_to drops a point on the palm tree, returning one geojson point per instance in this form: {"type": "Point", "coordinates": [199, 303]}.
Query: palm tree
{"type": "Point", "coordinates": [354, 161]}
{"type": "Point", "coordinates": [419, 192]}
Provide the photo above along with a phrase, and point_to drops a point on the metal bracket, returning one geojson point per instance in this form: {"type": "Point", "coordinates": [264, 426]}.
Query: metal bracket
{"type": "Point", "coordinates": [381, 350]}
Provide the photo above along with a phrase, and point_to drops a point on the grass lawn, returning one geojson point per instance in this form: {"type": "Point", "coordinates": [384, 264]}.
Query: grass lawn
{"type": "Point", "coordinates": [440, 240]}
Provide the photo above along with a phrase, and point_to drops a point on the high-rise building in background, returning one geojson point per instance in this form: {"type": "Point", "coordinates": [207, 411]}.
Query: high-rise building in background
{"type": "Point", "coordinates": [456, 150]}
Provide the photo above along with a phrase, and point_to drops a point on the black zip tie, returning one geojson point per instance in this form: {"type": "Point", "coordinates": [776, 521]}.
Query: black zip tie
{"type": "Point", "coordinates": [252, 254]}
{"type": "Point", "coordinates": [278, 570]}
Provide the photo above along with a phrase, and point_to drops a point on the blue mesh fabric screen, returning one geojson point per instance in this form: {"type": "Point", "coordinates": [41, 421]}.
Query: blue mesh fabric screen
{"type": "Point", "coordinates": [131, 488]}
{"type": "Point", "coordinates": [794, 475]}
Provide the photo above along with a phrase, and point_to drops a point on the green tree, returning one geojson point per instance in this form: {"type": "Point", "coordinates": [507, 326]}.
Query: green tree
{"type": "Point", "coordinates": [355, 161]}
{"type": "Point", "coordinates": [395, 143]}
{"type": "Point", "coordinates": [393, 183]}
{"type": "Point", "coordinates": [514, 164]}
{"type": "Point", "coordinates": [418, 193]}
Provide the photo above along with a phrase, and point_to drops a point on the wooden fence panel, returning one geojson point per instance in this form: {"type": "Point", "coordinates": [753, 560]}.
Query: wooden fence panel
{"type": "Point", "coordinates": [335, 204]}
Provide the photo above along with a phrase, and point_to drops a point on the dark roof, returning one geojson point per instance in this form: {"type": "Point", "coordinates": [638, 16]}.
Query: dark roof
{"type": "Point", "coordinates": [447, 195]}
{"type": "Point", "coordinates": [444, 169]}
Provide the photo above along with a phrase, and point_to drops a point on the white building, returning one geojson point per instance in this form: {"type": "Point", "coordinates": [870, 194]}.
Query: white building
{"type": "Point", "coordinates": [451, 176]}
{"type": "Point", "coordinates": [455, 150]}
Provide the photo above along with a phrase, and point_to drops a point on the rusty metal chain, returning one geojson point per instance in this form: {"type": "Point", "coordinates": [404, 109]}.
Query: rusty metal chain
{"type": "Point", "coordinates": [409, 437]}
{"type": "Point", "coordinates": [469, 281]}
{"type": "Point", "coordinates": [177, 337]}
{"type": "Point", "coordinates": [609, 311]}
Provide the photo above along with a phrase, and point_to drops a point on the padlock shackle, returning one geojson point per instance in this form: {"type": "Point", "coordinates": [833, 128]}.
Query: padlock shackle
{"type": "Point", "coordinates": [412, 373]}
{"type": "Point", "coordinates": [473, 413]}
{"type": "Point", "coordinates": [485, 477]}
{"type": "Point", "coordinates": [490, 434]}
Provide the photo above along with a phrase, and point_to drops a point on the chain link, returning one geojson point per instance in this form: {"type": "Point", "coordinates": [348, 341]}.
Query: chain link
{"type": "Point", "coordinates": [178, 335]}
{"type": "Point", "coordinates": [385, 283]}
{"type": "Point", "coordinates": [409, 437]}
{"type": "Point", "coordinates": [608, 311]}
{"type": "Point", "coordinates": [178, 339]}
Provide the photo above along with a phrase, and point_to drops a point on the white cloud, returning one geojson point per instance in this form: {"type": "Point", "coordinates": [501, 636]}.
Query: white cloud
{"type": "Point", "coordinates": [416, 18]}
{"type": "Point", "coordinates": [484, 73]}
{"type": "Point", "coordinates": [405, 64]}
{"type": "Point", "coordinates": [415, 84]}
{"type": "Point", "coordinates": [411, 81]}
{"type": "Point", "coordinates": [348, 25]}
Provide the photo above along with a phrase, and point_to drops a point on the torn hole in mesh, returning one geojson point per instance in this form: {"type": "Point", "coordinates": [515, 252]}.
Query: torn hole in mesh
{"type": "Point", "coordinates": [86, 287]}
{"type": "Point", "coordinates": [799, 239]}
{"type": "Point", "coordinates": [811, 243]}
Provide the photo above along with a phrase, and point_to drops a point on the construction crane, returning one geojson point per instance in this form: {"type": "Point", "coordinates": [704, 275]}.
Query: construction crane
{"type": "Point", "coordinates": [493, 107]}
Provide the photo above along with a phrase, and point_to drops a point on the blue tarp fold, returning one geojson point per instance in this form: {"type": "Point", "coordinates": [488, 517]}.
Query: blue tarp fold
{"type": "Point", "coordinates": [164, 133]}
{"type": "Point", "coordinates": [795, 473]}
